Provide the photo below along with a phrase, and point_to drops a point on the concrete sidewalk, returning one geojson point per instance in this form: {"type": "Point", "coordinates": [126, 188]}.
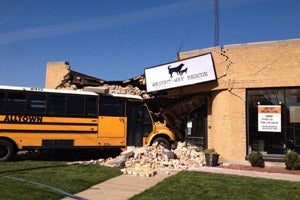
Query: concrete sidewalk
{"type": "Point", "coordinates": [125, 186]}
{"type": "Point", "coordinates": [121, 187]}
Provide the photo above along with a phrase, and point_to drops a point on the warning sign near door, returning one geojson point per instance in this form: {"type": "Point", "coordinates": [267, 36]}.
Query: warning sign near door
{"type": "Point", "coordinates": [269, 118]}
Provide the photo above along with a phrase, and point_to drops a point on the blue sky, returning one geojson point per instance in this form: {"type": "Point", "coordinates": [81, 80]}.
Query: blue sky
{"type": "Point", "coordinates": [118, 39]}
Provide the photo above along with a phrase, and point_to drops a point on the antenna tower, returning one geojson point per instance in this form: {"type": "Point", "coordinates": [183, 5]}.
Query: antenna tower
{"type": "Point", "coordinates": [216, 21]}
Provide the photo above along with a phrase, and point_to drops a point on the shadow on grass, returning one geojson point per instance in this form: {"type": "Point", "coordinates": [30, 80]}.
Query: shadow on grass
{"type": "Point", "coordinates": [67, 154]}
{"type": "Point", "coordinates": [57, 155]}
{"type": "Point", "coordinates": [32, 168]}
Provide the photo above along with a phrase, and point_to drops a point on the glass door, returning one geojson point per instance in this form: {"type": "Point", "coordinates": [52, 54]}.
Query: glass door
{"type": "Point", "coordinates": [265, 120]}
{"type": "Point", "coordinates": [283, 132]}
{"type": "Point", "coordinates": [292, 119]}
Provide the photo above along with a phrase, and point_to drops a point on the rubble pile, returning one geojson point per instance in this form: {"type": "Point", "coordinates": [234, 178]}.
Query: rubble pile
{"type": "Point", "coordinates": [150, 160]}
{"type": "Point", "coordinates": [129, 89]}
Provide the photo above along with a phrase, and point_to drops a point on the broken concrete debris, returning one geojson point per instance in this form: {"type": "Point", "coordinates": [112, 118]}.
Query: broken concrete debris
{"type": "Point", "coordinates": [118, 89]}
{"type": "Point", "coordinates": [150, 160]}
{"type": "Point", "coordinates": [129, 89]}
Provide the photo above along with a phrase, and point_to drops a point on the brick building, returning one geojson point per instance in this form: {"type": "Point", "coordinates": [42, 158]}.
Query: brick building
{"type": "Point", "coordinates": [256, 84]}
{"type": "Point", "coordinates": [250, 75]}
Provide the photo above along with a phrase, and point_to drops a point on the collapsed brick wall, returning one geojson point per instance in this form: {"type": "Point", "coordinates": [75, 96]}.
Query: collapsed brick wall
{"type": "Point", "coordinates": [151, 160]}
{"type": "Point", "coordinates": [55, 73]}
{"type": "Point", "coordinates": [60, 76]}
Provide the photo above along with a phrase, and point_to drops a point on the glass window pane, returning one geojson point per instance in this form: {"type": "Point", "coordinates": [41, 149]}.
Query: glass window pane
{"type": "Point", "coordinates": [15, 102]}
{"type": "Point", "coordinates": [37, 103]}
{"type": "Point", "coordinates": [56, 104]}
{"type": "Point", "coordinates": [111, 106]}
{"type": "Point", "coordinates": [292, 119]}
{"type": "Point", "coordinates": [264, 141]}
{"type": "Point", "coordinates": [147, 123]}
{"type": "Point", "coordinates": [2, 99]}
{"type": "Point", "coordinates": [75, 105]}
{"type": "Point", "coordinates": [91, 105]}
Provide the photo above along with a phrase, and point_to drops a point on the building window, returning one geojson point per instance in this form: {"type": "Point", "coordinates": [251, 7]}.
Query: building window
{"type": "Point", "coordinates": [292, 128]}
{"type": "Point", "coordinates": [273, 120]}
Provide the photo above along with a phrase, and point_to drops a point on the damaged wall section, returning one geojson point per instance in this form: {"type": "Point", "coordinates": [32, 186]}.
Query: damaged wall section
{"type": "Point", "coordinates": [238, 68]}
{"type": "Point", "coordinates": [60, 76]}
{"type": "Point", "coordinates": [165, 109]}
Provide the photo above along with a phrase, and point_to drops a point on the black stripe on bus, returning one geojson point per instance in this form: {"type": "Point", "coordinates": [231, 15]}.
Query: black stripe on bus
{"type": "Point", "coordinates": [72, 147]}
{"type": "Point", "coordinates": [48, 131]}
{"type": "Point", "coordinates": [52, 123]}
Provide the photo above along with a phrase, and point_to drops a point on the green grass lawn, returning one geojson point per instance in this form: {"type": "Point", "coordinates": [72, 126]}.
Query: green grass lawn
{"type": "Point", "coordinates": [71, 179]}
{"type": "Point", "coordinates": [199, 185]}
{"type": "Point", "coordinates": [184, 185]}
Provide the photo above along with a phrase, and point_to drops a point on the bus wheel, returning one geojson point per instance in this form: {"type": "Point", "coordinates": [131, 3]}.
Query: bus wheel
{"type": "Point", "coordinates": [163, 142]}
{"type": "Point", "coordinates": [7, 150]}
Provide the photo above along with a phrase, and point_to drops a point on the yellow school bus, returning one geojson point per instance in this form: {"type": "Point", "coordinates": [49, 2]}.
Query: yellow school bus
{"type": "Point", "coordinates": [34, 119]}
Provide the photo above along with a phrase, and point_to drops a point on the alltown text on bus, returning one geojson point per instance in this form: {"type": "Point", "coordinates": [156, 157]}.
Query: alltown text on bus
{"type": "Point", "coordinates": [23, 118]}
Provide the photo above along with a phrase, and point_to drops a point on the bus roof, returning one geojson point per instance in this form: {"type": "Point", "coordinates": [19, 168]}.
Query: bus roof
{"type": "Point", "coordinates": [129, 96]}
{"type": "Point", "coordinates": [4, 87]}
{"type": "Point", "coordinates": [47, 90]}
{"type": "Point", "coordinates": [105, 91]}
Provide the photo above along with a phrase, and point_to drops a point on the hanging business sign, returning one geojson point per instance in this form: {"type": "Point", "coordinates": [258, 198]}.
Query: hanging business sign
{"type": "Point", "coordinates": [269, 118]}
{"type": "Point", "coordinates": [181, 73]}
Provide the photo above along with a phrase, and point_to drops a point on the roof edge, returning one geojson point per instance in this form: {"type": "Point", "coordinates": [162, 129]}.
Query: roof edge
{"type": "Point", "coordinates": [263, 43]}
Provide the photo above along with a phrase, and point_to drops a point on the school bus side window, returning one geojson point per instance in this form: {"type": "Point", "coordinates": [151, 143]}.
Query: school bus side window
{"type": "Point", "coordinates": [2, 99]}
{"type": "Point", "coordinates": [112, 106]}
{"type": "Point", "coordinates": [15, 102]}
{"type": "Point", "coordinates": [56, 104]}
{"type": "Point", "coordinates": [75, 105]}
{"type": "Point", "coordinates": [37, 103]}
{"type": "Point", "coordinates": [91, 106]}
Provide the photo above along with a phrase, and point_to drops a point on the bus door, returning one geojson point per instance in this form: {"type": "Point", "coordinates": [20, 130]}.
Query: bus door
{"type": "Point", "coordinates": [112, 120]}
{"type": "Point", "coordinates": [134, 126]}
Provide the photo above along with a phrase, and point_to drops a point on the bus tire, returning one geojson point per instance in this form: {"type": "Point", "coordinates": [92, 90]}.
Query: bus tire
{"type": "Point", "coordinates": [163, 142]}
{"type": "Point", "coordinates": [7, 150]}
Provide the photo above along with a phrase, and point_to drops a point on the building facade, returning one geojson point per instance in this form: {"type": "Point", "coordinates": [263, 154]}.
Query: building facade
{"type": "Point", "coordinates": [254, 103]}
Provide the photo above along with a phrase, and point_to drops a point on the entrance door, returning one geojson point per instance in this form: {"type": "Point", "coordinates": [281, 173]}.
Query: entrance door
{"type": "Point", "coordinates": [265, 110]}
{"type": "Point", "coordinates": [292, 119]}
{"type": "Point", "coordinates": [198, 133]}
{"type": "Point", "coordinates": [134, 124]}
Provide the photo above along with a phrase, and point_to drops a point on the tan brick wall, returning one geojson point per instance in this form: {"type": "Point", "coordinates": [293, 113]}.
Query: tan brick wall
{"type": "Point", "coordinates": [227, 123]}
{"type": "Point", "coordinates": [264, 64]}
{"type": "Point", "coordinates": [256, 65]}
{"type": "Point", "coordinates": [268, 64]}
{"type": "Point", "coordinates": [55, 73]}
